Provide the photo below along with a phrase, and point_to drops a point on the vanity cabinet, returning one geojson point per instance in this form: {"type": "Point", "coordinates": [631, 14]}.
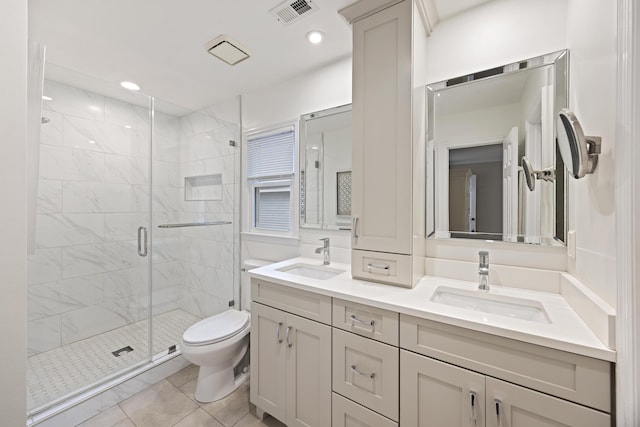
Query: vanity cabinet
{"type": "Point", "coordinates": [461, 375]}
{"type": "Point", "coordinates": [385, 181]}
{"type": "Point", "coordinates": [322, 361]}
{"type": "Point", "coordinates": [291, 357]}
{"type": "Point", "coordinates": [435, 393]}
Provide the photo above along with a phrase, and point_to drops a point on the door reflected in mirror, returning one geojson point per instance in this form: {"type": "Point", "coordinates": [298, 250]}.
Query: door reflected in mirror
{"type": "Point", "coordinates": [325, 169]}
{"type": "Point", "coordinates": [475, 208]}
{"type": "Point", "coordinates": [480, 126]}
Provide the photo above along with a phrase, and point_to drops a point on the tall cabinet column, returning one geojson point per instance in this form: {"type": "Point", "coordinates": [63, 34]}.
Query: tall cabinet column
{"type": "Point", "coordinates": [388, 143]}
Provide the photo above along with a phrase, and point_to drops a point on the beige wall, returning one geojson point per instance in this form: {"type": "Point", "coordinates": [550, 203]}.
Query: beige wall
{"type": "Point", "coordinates": [13, 113]}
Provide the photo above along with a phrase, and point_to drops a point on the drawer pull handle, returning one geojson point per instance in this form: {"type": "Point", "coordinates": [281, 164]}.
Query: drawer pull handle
{"type": "Point", "coordinates": [384, 268]}
{"type": "Point", "coordinates": [364, 374]}
{"type": "Point", "coordinates": [278, 333]}
{"type": "Point", "coordinates": [473, 397]}
{"type": "Point", "coordinates": [354, 227]}
{"type": "Point", "coordinates": [289, 343]}
{"type": "Point", "coordinates": [354, 319]}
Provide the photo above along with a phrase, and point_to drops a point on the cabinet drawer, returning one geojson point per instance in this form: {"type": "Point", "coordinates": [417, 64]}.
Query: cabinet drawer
{"type": "Point", "coordinates": [306, 304]}
{"type": "Point", "coordinates": [366, 371]}
{"type": "Point", "coordinates": [393, 269]}
{"type": "Point", "coordinates": [376, 323]}
{"type": "Point", "coordinates": [570, 376]}
{"type": "Point", "coordinates": [347, 414]}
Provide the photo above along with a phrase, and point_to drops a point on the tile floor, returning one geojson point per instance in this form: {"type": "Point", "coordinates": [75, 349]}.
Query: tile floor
{"type": "Point", "coordinates": [171, 403]}
{"type": "Point", "coordinates": [66, 369]}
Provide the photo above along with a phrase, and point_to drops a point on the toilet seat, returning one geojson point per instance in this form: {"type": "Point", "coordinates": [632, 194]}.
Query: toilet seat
{"type": "Point", "coordinates": [216, 328]}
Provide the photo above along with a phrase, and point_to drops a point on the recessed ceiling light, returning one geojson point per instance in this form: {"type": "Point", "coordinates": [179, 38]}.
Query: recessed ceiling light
{"type": "Point", "coordinates": [47, 98]}
{"type": "Point", "coordinates": [91, 141]}
{"type": "Point", "coordinates": [127, 126]}
{"type": "Point", "coordinates": [94, 108]}
{"type": "Point", "coordinates": [130, 85]}
{"type": "Point", "coordinates": [315, 37]}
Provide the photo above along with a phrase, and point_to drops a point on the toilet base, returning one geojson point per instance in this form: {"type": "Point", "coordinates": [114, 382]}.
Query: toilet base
{"type": "Point", "coordinates": [214, 383]}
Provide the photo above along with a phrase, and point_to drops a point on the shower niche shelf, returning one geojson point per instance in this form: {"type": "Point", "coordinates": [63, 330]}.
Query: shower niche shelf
{"type": "Point", "coordinates": [203, 187]}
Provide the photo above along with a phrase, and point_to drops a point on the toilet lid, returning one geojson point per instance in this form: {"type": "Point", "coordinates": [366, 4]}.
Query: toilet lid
{"type": "Point", "coordinates": [216, 328]}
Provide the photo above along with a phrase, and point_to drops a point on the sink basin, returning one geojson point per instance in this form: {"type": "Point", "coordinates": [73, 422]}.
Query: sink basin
{"type": "Point", "coordinates": [320, 272]}
{"type": "Point", "coordinates": [501, 305]}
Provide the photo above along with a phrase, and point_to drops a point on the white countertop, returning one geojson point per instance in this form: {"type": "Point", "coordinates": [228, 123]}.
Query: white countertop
{"type": "Point", "coordinates": [566, 331]}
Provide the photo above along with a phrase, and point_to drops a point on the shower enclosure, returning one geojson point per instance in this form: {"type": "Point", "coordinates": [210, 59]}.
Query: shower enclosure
{"type": "Point", "coordinates": [136, 231]}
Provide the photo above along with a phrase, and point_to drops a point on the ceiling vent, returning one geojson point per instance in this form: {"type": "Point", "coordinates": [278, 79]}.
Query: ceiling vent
{"type": "Point", "coordinates": [290, 11]}
{"type": "Point", "coordinates": [225, 48]}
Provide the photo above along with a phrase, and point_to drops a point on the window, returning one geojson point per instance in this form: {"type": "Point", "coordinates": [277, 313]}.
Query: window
{"type": "Point", "coordinates": [270, 167]}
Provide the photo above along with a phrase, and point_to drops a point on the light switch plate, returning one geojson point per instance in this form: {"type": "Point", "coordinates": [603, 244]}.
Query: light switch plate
{"type": "Point", "coordinates": [571, 243]}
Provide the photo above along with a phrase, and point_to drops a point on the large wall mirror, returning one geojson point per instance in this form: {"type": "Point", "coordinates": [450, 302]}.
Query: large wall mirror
{"type": "Point", "coordinates": [480, 127]}
{"type": "Point", "coordinates": [325, 169]}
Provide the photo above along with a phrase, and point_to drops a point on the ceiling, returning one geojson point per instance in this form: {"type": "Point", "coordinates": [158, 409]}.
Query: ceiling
{"type": "Point", "coordinates": [159, 44]}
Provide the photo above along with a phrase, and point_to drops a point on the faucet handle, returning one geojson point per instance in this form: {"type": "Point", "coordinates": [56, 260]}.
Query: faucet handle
{"type": "Point", "coordinates": [484, 257]}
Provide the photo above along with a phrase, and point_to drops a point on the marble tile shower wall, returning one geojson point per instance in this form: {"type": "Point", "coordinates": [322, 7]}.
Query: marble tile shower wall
{"type": "Point", "coordinates": [86, 277]}
{"type": "Point", "coordinates": [211, 254]}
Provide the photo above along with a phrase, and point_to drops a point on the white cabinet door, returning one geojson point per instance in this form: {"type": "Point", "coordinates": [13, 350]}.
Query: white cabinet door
{"type": "Point", "coordinates": [268, 360]}
{"type": "Point", "coordinates": [382, 144]}
{"type": "Point", "coordinates": [509, 405]}
{"type": "Point", "coordinates": [290, 367]}
{"type": "Point", "coordinates": [435, 394]}
{"type": "Point", "coordinates": [308, 373]}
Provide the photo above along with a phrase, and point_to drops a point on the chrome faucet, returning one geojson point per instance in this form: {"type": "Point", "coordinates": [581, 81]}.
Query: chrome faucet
{"type": "Point", "coordinates": [325, 250]}
{"type": "Point", "coordinates": [483, 271]}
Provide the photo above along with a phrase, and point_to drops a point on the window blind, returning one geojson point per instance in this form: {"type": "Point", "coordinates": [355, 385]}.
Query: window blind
{"type": "Point", "coordinates": [271, 154]}
{"type": "Point", "coordinates": [273, 208]}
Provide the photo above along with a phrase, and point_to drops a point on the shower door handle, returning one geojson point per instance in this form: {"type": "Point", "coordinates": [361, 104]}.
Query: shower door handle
{"type": "Point", "coordinates": [142, 241]}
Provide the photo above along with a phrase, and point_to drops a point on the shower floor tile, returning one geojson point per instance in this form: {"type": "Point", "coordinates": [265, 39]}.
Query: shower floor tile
{"type": "Point", "coordinates": [64, 370]}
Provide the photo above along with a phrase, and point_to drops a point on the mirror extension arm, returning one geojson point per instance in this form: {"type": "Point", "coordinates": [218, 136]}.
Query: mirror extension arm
{"type": "Point", "coordinates": [530, 175]}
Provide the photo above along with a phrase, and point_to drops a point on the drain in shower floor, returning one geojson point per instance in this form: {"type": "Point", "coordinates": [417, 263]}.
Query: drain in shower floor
{"type": "Point", "coordinates": [122, 350]}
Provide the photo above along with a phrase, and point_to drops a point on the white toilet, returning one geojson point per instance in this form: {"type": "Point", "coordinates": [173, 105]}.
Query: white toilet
{"type": "Point", "coordinates": [218, 344]}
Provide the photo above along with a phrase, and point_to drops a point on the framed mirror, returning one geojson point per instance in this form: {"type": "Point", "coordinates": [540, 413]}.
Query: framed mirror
{"type": "Point", "coordinates": [325, 169]}
{"type": "Point", "coordinates": [480, 126]}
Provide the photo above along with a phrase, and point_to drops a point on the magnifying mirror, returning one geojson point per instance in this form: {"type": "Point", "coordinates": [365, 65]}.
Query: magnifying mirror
{"type": "Point", "coordinates": [530, 175]}
{"type": "Point", "coordinates": [579, 152]}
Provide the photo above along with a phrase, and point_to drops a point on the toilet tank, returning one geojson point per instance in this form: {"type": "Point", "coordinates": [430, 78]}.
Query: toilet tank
{"type": "Point", "coordinates": [245, 281]}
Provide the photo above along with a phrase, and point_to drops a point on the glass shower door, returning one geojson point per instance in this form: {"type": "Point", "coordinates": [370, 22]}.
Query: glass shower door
{"type": "Point", "coordinates": [88, 287]}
